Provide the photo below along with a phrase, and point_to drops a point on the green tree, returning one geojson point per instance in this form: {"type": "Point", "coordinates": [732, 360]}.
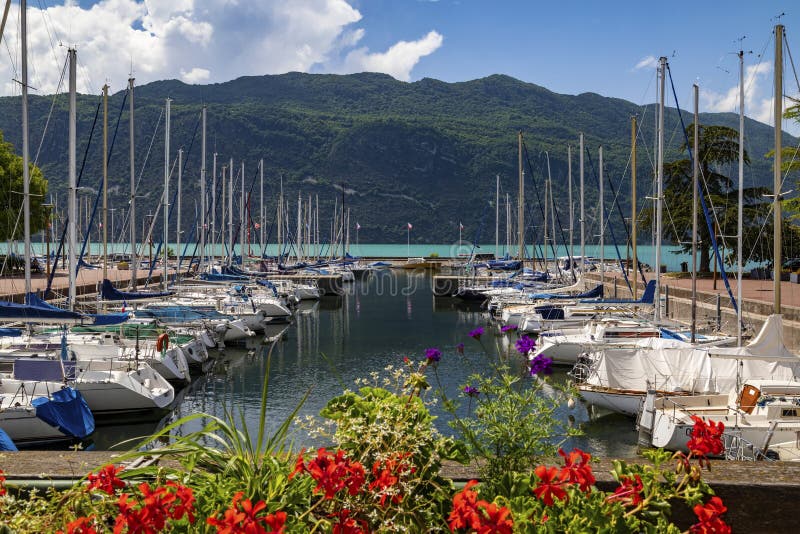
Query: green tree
{"type": "Point", "coordinates": [11, 223]}
{"type": "Point", "coordinates": [718, 147]}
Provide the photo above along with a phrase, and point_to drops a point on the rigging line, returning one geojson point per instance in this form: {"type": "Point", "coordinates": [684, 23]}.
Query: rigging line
{"type": "Point", "coordinates": [627, 231]}
{"type": "Point", "coordinates": [127, 222]}
{"type": "Point", "coordinates": [50, 114]}
{"type": "Point", "coordinates": [541, 209]}
{"type": "Point", "coordinates": [174, 198]}
{"type": "Point", "coordinates": [703, 202]}
{"type": "Point", "coordinates": [610, 227]}
{"type": "Point", "coordinates": [77, 183]}
{"type": "Point", "coordinates": [47, 27]}
{"type": "Point", "coordinates": [791, 62]}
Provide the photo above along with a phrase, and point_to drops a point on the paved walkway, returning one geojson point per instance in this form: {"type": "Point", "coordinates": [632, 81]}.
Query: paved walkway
{"type": "Point", "coordinates": [87, 278]}
{"type": "Point", "coordinates": [758, 290]}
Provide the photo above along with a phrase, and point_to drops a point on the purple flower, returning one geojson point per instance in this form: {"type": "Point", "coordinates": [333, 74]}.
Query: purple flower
{"type": "Point", "coordinates": [525, 344]}
{"type": "Point", "coordinates": [433, 355]}
{"type": "Point", "coordinates": [460, 348]}
{"type": "Point", "coordinates": [477, 333]}
{"type": "Point", "coordinates": [508, 328]}
{"type": "Point", "coordinates": [541, 365]}
{"type": "Point", "coordinates": [470, 391]}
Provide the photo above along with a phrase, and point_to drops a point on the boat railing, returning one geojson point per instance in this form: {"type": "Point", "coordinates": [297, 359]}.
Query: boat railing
{"type": "Point", "coordinates": [740, 449]}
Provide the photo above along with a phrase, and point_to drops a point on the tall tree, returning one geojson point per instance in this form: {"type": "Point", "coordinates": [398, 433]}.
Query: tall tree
{"type": "Point", "coordinates": [718, 147]}
{"type": "Point", "coordinates": [11, 198]}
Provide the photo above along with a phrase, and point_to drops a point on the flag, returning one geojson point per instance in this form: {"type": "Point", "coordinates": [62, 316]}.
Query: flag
{"type": "Point", "coordinates": [124, 305]}
{"type": "Point", "coordinates": [460, 226]}
{"type": "Point", "coordinates": [358, 226]}
{"type": "Point", "coordinates": [409, 226]}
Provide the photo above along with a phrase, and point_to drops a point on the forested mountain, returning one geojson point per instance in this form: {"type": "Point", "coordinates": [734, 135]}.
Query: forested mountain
{"type": "Point", "coordinates": [425, 152]}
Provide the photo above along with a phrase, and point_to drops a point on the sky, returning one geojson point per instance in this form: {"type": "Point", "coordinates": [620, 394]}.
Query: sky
{"type": "Point", "coordinates": [568, 47]}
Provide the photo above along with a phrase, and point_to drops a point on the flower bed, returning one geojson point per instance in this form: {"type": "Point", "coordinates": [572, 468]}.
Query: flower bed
{"type": "Point", "coordinates": [383, 472]}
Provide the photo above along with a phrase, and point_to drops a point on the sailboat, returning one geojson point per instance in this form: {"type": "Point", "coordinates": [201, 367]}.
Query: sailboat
{"type": "Point", "coordinates": [760, 409]}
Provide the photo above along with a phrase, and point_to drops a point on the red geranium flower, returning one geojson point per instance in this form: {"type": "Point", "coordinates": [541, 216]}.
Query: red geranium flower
{"type": "Point", "coordinates": [387, 474]}
{"type": "Point", "coordinates": [495, 519]}
{"type": "Point", "coordinates": [629, 491]}
{"type": "Point", "coordinates": [550, 482]}
{"type": "Point", "coordinates": [81, 525]}
{"type": "Point", "coordinates": [334, 473]}
{"type": "Point", "coordinates": [349, 525]}
{"type": "Point", "coordinates": [465, 512]}
{"type": "Point", "coordinates": [106, 480]}
{"type": "Point", "coordinates": [706, 438]}
{"type": "Point", "coordinates": [709, 516]}
{"type": "Point", "coordinates": [577, 470]}
{"type": "Point", "coordinates": [242, 518]}
{"type": "Point", "coordinates": [2, 483]}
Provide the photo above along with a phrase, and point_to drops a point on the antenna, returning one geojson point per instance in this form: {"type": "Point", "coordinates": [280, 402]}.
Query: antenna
{"type": "Point", "coordinates": [778, 17]}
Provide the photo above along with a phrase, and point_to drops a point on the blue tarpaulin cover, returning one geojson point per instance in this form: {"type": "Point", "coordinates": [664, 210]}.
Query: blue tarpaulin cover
{"type": "Point", "coordinates": [109, 292]}
{"type": "Point", "coordinates": [6, 443]}
{"type": "Point", "coordinates": [67, 411]}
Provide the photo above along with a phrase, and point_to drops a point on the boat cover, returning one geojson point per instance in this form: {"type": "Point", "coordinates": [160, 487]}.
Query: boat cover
{"type": "Point", "coordinates": [672, 365]}
{"type": "Point", "coordinates": [97, 318]}
{"type": "Point", "coordinates": [10, 332]}
{"type": "Point", "coordinates": [109, 292]}
{"type": "Point", "coordinates": [593, 293]}
{"type": "Point", "coordinates": [33, 313]}
{"type": "Point", "coordinates": [215, 277]}
{"type": "Point", "coordinates": [66, 410]}
{"type": "Point", "coordinates": [6, 443]}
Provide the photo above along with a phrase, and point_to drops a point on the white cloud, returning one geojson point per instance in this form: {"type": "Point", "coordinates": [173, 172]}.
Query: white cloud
{"type": "Point", "coordinates": [647, 62]}
{"type": "Point", "coordinates": [398, 61]}
{"type": "Point", "coordinates": [198, 41]}
{"type": "Point", "coordinates": [757, 97]}
{"type": "Point", "coordinates": [196, 75]}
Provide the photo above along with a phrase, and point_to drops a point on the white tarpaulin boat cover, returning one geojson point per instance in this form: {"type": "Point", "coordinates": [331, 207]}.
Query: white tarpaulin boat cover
{"type": "Point", "coordinates": [675, 366]}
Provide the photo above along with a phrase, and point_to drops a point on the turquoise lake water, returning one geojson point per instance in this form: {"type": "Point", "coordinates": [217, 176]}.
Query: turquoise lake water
{"type": "Point", "coordinates": [670, 255]}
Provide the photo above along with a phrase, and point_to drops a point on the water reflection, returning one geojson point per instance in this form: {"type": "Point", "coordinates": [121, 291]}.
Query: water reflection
{"type": "Point", "coordinates": [377, 321]}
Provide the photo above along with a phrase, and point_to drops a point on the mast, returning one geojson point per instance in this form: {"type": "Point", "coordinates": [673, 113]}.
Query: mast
{"type": "Point", "coordinates": [695, 185]}
{"type": "Point", "coordinates": [132, 206]}
{"type": "Point", "coordinates": [571, 207]}
{"type": "Point", "coordinates": [602, 225]}
{"type": "Point", "coordinates": [26, 177]}
{"type": "Point", "coordinates": [777, 218]}
{"type": "Point", "coordinates": [546, 210]}
{"type": "Point", "coordinates": [299, 234]}
{"type": "Point", "coordinates": [243, 225]}
{"type": "Point", "coordinates": [261, 207]}
{"type": "Point", "coordinates": [521, 203]}
{"type": "Point", "coordinates": [202, 193]}
{"type": "Point", "coordinates": [659, 186]}
{"type": "Point", "coordinates": [72, 216]}
{"type": "Point", "coordinates": [497, 216]}
{"type": "Point", "coordinates": [740, 229]}
{"type": "Point", "coordinates": [178, 228]}
{"type": "Point", "coordinates": [280, 222]}
{"type": "Point", "coordinates": [634, 258]}
{"type": "Point", "coordinates": [105, 181]}
{"type": "Point", "coordinates": [230, 211]}
{"type": "Point", "coordinates": [508, 225]}
{"type": "Point", "coordinates": [583, 217]}
{"type": "Point", "coordinates": [165, 280]}
{"type": "Point", "coordinates": [213, 226]}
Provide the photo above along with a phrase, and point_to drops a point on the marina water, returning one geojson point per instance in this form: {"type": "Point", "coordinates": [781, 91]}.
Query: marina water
{"type": "Point", "coordinates": [331, 343]}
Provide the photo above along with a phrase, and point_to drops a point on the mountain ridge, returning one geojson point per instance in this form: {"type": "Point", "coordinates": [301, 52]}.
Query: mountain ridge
{"type": "Point", "coordinates": [425, 152]}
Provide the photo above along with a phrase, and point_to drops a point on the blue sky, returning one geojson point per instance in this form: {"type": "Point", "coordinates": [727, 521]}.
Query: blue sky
{"type": "Point", "coordinates": [568, 47]}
